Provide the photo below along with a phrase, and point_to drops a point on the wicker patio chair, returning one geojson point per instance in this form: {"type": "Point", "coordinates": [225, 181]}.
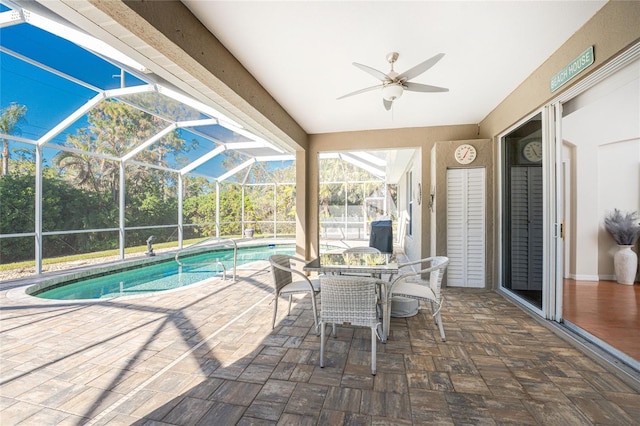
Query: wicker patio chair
{"type": "Point", "coordinates": [358, 250]}
{"type": "Point", "coordinates": [363, 249]}
{"type": "Point", "coordinates": [348, 301]}
{"type": "Point", "coordinates": [289, 281]}
{"type": "Point", "coordinates": [423, 284]}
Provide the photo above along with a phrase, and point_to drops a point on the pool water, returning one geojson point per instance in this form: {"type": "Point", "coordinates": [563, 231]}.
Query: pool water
{"type": "Point", "coordinates": [160, 276]}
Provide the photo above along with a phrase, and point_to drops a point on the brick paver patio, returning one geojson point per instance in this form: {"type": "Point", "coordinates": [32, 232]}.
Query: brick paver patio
{"type": "Point", "coordinates": [207, 355]}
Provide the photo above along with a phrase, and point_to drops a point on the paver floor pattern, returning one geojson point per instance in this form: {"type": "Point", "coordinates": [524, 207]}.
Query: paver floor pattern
{"type": "Point", "coordinates": [206, 355]}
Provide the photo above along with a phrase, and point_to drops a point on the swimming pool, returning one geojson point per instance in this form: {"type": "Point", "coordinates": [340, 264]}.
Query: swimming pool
{"type": "Point", "coordinates": [151, 277]}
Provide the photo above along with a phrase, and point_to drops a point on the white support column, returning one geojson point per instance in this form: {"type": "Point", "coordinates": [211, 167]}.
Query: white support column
{"type": "Point", "coordinates": [180, 216]}
{"type": "Point", "coordinates": [364, 209]}
{"type": "Point", "coordinates": [217, 209]}
{"type": "Point", "coordinates": [38, 211]}
{"type": "Point", "coordinates": [345, 215]}
{"type": "Point", "coordinates": [275, 209]}
{"type": "Point", "coordinates": [242, 214]}
{"type": "Point", "coordinates": [121, 209]}
{"type": "Point", "coordinates": [384, 200]}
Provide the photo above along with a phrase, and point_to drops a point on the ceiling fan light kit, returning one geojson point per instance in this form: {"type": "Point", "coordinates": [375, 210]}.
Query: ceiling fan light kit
{"type": "Point", "coordinates": [394, 84]}
{"type": "Point", "coordinates": [392, 91]}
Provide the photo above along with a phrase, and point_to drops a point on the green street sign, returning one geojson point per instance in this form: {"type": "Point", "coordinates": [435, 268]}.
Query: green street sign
{"type": "Point", "coordinates": [576, 66]}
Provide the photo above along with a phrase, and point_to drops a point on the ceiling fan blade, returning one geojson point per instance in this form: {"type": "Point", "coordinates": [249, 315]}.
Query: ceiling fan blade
{"type": "Point", "coordinates": [420, 68]}
{"type": "Point", "coordinates": [387, 104]}
{"type": "Point", "coordinates": [374, 72]}
{"type": "Point", "coordinates": [357, 92]}
{"type": "Point", "coordinates": [417, 87]}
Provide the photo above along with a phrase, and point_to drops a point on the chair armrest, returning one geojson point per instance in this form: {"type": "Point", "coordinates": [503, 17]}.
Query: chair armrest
{"type": "Point", "coordinates": [291, 270]}
{"type": "Point", "coordinates": [416, 262]}
{"type": "Point", "coordinates": [297, 259]}
{"type": "Point", "coordinates": [413, 274]}
{"type": "Point", "coordinates": [422, 271]}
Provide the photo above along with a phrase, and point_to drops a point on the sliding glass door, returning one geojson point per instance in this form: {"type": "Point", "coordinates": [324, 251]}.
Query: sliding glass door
{"type": "Point", "coordinates": [522, 211]}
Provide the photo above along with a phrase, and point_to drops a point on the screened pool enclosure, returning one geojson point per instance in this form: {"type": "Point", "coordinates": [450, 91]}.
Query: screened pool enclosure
{"type": "Point", "coordinates": [99, 154]}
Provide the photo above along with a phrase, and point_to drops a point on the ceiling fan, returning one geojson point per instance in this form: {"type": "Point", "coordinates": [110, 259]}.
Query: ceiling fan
{"type": "Point", "coordinates": [394, 84]}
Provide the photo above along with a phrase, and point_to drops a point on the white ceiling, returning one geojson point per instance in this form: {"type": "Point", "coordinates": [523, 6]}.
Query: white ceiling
{"type": "Point", "coordinates": [302, 53]}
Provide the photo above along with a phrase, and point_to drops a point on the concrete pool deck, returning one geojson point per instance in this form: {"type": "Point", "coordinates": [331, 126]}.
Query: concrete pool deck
{"type": "Point", "coordinates": [207, 355]}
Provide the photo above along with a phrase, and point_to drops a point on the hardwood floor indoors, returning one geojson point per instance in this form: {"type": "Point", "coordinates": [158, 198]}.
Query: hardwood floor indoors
{"type": "Point", "coordinates": [606, 310]}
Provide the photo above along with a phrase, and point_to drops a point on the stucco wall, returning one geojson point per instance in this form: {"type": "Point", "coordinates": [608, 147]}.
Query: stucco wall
{"type": "Point", "coordinates": [423, 138]}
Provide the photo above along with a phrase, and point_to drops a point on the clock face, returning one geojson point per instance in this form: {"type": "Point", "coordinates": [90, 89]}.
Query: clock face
{"type": "Point", "coordinates": [532, 151]}
{"type": "Point", "coordinates": [465, 154]}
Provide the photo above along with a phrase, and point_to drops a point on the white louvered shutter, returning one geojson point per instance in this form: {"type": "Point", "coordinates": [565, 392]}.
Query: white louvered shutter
{"type": "Point", "coordinates": [526, 228]}
{"type": "Point", "coordinates": [466, 201]}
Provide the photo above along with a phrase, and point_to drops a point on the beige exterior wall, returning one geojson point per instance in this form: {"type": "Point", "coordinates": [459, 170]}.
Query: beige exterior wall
{"type": "Point", "coordinates": [615, 27]}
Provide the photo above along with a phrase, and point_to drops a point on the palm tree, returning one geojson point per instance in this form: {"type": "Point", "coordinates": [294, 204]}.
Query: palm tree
{"type": "Point", "coordinates": [80, 168]}
{"type": "Point", "coordinates": [9, 119]}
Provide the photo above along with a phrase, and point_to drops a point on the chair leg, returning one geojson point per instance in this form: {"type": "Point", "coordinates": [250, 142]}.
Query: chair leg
{"type": "Point", "coordinates": [439, 322]}
{"type": "Point", "coordinates": [438, 319]}
{"type": "Point", "coordinates": [315, 312]}
{"type": "Point", "coordinates": [322, 333]}
{"type": "Point", "coordinates": [373, 350]}
{"type": "Point", "coordinates": [434, 312]}
{"type": "Point", "coordinates": [290, 299]}
{"type": "Point", "coordinates": [386, 320]}
{"type": "Point", "coordinates": [275, 312]}
{"type": "Point", "coordinates": [385, 304]}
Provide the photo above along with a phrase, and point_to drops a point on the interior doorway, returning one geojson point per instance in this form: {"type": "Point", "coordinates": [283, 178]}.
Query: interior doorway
{"type": "Point", "coordinates": [600, 154]}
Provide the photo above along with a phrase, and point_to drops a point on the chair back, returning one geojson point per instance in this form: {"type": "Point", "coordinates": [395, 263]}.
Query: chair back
{"type": "Point", "coordinates": [370, 250]}
{"type": "Point", "coordinates": [348, 300]}
{"type": "Point", "coordinates": [436, 272]}
{"type": "Point", "coordinates": [430, 275]}
{"type": "Point", "coordinates": [281, 270]}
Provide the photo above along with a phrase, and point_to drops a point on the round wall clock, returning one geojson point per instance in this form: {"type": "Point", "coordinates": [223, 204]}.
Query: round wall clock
{"type": "Point", "coordinates": [465, 154]}
{"type": "Point", "coordinates": [532, 151]}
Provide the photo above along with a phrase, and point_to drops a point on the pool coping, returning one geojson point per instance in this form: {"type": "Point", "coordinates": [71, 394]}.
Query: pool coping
{"type": "Point", "coordinates": [17, 289]}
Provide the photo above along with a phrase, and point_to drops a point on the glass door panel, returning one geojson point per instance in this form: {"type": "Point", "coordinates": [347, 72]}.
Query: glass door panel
{"type": "Point", "coordinates": [522, 218]}
{"type": "Point", "coordinates": [600, 157]}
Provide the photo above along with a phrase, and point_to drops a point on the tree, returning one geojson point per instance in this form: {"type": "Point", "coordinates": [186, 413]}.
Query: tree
{"type": "Point", "coordinates": [9, 119]}
{"type": "Point", "coordinates": [115, 129]}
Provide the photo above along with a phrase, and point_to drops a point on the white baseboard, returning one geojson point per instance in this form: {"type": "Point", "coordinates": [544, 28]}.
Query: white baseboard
{"type": "Point", "coordinates": [578, 277]}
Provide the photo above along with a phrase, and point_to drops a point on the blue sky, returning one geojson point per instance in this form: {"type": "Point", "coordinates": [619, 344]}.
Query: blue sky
{"type": "Point", "coordinates": [50, 98]}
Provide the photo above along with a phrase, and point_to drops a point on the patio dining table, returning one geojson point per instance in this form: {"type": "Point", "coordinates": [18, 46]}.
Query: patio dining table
{"type": "Point", "coordinates": [375, 265]}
